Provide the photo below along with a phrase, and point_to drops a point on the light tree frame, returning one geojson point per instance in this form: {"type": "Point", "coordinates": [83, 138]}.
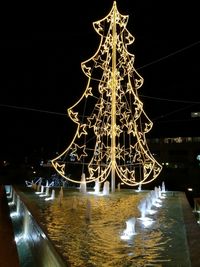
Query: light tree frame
{"type": "Point", "coordinates": [110, 141]}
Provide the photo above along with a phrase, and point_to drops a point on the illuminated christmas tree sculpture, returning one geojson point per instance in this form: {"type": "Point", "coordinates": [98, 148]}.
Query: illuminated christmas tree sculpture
{"type": "Point", "coordinates": [110, 141]}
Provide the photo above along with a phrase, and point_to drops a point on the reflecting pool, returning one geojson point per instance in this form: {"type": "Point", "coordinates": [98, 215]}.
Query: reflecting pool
{"type": "Point", "coordinates": [87, 229]}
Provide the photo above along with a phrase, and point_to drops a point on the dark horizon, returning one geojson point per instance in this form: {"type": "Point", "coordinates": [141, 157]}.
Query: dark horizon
{"type": "Point", "coordinates": [43, 47]}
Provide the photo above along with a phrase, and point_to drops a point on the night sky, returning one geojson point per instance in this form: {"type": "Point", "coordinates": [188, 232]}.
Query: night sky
{"type": "Point", "coordinates": [42, 47]}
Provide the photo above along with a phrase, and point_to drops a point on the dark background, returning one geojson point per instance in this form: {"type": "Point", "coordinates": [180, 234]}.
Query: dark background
{"type": "Point", "coordinates": [43, 45]}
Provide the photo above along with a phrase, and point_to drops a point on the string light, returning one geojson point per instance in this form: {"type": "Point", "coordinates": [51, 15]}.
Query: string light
{"type": "Point", "coordinates": [110, 141]}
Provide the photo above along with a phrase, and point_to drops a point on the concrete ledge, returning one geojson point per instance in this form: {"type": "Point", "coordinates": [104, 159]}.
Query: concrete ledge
{"type": "Point", "coordinates": [192, 232]}
{"type": "Point", "coordinates": [8, 249]}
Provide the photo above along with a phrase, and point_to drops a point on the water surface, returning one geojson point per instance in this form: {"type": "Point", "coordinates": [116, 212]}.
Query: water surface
{"type": "Point", "coordinates": [93, 238]}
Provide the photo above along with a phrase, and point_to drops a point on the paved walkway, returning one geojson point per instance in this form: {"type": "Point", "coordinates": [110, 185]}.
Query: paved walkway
{"type": "Point", "coordinates": [8, 249]}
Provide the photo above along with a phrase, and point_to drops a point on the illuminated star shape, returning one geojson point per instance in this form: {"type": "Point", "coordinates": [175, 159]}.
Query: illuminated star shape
{"type": "Point", "coordinates": [106, 63]}
{"type": "Point", "coordinates": [99, 61]}
{"type": "Point", "coordinates": [136, 153]}
{"type": "Point", "coordinates": [92, 120]}
{"type": "Point", "coordinates": [157, 169]}
{"type": "Point", "coordinates": [73, 115]}
{"type": "Point", "coordinates": [148, 167]}
{"type": "Point", "coordinates": [97, 129]}
{"type": "Point", "coordinates": [109, 40]}
{"type": "Point", "coordinates": [129, 88]}
{"type": "Point", "coordinates": [94, 171]}
{"type": "Point", "coordinates": [138, 109]}
{"type": "Point", "coordinates": [86, 70]}
{"type": "Point", "coordinates": [88, 91]}
{"type": "Point", "coordinates": [79, 151]}
{"type": "Point", "coordinates": [105, 151]}
{"type": "Point", "coordinates": [129, 37]}
{"type": "Point", "coordinates": [137, 102]}
{"type": "Point", "coordinates": [82, 130]}
{"type": "Point", "coordinates": [130, 67]}
{"type": "Point", "coordinates": [119, 106]}
{"type": "Point", "coordinates": [106, 128]}
{"type": "Point", "coordinates": [99, 151]}
{"type": "Point", "coordinates": [105, 46]}
{"type": "Point", "coordinates": [142, 138]}
{"type": "Point", "coordinates": [120, 92]}
{"type": "Point", "coordinates": [60, 168]}
{"type": "Point", "coordinates": [109, 85]}
{"type": "Point", "coordinates": [138, 83]}
{"type": "Point", "coordinates": [100, 105]}
{"type": "Point", "coordinates": [148, 127]}
{"type": "Point", "coordinates": [130, 127]}
{"type": "Point", "coordinates": [124, 119]}
{"type": "Point", "coordinates": [119, 151]}
{"type": "Point", "coordinates": [97, 26]}
{"type": "Point", "coordinates": [119, 46]}
{"type": "Point", "coordinates": [133, 148]}
{"type": "Point", "coordinates": [131, 174]}
{"type": "Point", "coordinates": [118, 130]}
{"type": "Point", "coordinates": [123, 19]}
{"type": "Point", "coordinates": [138, 80]}
{"type": "Point", "coordinates": [102, 87]}
{"type": "Point", "coordinates": [123, 171]}
{"type": "Point", "coordinates": [128, 176]}
{"type": "Point", "coordinates": [107, 110]}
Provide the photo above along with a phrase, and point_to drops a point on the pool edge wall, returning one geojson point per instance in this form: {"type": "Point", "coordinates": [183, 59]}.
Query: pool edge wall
{"type": "Point", "coordinates": [43, 251]}
{"type": "Point", "coordinates": [192, 231]}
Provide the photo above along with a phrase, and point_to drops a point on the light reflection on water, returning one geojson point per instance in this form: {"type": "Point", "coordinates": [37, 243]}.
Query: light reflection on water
{"type": "Point", "coordinates": [97, 242]}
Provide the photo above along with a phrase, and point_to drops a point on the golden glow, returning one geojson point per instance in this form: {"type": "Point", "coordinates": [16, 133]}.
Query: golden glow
{"type": "Point", "coordinates": [110, 140]}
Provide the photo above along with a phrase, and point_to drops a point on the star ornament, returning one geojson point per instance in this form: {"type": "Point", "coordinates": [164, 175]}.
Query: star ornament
{"type": "Point", "coordinates": [79, 151]}
{"type": "Point", "coordinates": [98, 27]}
{"type": "Point", "coordinates": [94, 171]}
{"type": "Point", "coordinates": [121, 152]}
{"type": "Point", "coordinates": [123, 171]}
{"type": "Point", "coordinates": [92, 120]}
{"type": "Point", "coordinates": [86, 70]}
{"type": "Point", "coordinates": [105, 151]}
{"type": "Point", "coordinates": [129, 88]}
{"type": "Point", "coordinates": [106, 129]}
{"type": "Point", "coordinates": [60, 168]}
{"type": "Point", "coordinates": [118, 130]}
{"type": "Point", "coordinates": [124, 119]}
{"type": "Point", "coordinates": [99, 106]}
{"type": "Point", "coordinates": [128, 37]}
{"type": "Point", "coordinates": [82, 130]}
{"type": "Point", "coordinates": [73, 115]}
{"type": "Point", "coordinates": [88, 92]}
{"type": "Point", "coordinates": [130, 127]}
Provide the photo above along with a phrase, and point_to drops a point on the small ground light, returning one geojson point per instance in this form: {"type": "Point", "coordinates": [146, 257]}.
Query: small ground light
{"type": "Point", "coordinates": [190, 189]}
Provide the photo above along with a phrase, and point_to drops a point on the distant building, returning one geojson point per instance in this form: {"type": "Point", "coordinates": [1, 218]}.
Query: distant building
{"type": "Point", "coordinates": [180, 158]}
{"type": "Point", "coordinates": [195, 114]}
